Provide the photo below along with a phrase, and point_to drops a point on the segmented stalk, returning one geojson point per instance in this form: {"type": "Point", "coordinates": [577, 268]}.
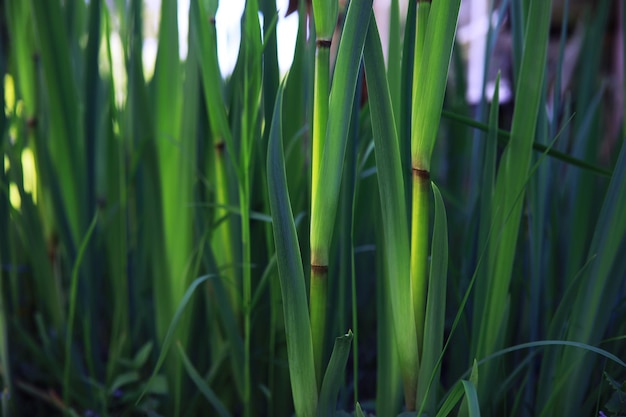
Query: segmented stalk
{"type": "Point", "coordinates": [222, 240]}
{"type": "Point", "coordinates": [325, 14]}
{"type": "Point", "coordinates": [419, 249]}
{"type": "Point", "coordinates": [421, 187]}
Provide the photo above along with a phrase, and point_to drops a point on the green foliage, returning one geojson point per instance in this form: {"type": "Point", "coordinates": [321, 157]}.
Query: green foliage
{"type": "Point", "coordinates": [478, 262]}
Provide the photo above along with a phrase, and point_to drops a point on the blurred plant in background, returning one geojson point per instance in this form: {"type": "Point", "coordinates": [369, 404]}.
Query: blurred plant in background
{"type": "Point", "coordinates": [362, 232]}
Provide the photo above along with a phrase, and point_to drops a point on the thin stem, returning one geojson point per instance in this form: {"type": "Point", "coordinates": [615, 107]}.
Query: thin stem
{"type": "Point", "coordinates": [247, 291]}
{"type": "Point", "coordinates": [355, 322]}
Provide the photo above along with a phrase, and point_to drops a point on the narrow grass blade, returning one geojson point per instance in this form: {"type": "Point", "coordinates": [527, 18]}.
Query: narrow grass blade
{"type": "Point", "coordinates": [590, 314]}
{"type": "Point", "coordinates": [169, 336]}
{"type": "Point", "coordinates": [435, 310]}
{"type": "Point", "coordinates": [546, 343]}
{"type": "Point", "coordinates": [92, 101]}
{"type": "Point", "coordinates": [393, 202]}
{"type": "Point", "coordinates": [334, 376]}
{"type": "Point", "coordinates": [204, 388]}
{"type": "Point", "coordinates": [359, 411]}
{"type": "Point", "coordinates": [465, 411]}
{"type": "Point", "coordinates": [511, 181]}
{"type": "Point", "coordinates": [389, 388]}
{"type": "Point", "coordinates": [451, 401]}
{"type": "Point", "coordinates": [485, 199]}
{"type": "Point", "coordinates": [218, 294]}
{"type": "Point", "coordinates": [291, 274]}
{"type": "Point", "coordinates": [471, 396]}
{"type": "Point", "coordinates": [298, 89]}
{"type": "Point", "coordinates": [72, 307]}
{"type": "Point", "coordinates": [504, 136]}
{"type": "Point", "coordinates": [250, 69]}
{"type": "Point", "coordinates": [406, 95]}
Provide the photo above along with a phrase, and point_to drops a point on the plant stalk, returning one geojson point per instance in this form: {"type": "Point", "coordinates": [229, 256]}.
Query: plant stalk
{"type": "Point", "coordinates": [319, 269]}
{"type": "Point", "coordinates": [419, 249]}
{"type": "Point", "coordinates": [222, 240]}
{"type": "Point", "coordinates": [247, 291]}
{"type": "Point", "coordinates": [421, 186]}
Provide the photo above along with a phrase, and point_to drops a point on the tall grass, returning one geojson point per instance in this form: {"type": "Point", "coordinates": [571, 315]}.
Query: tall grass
{"type": "Point", "coordinates": [187, 244]}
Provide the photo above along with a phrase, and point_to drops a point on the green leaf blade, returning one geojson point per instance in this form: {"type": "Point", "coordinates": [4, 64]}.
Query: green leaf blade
{"type": "Point", "coordinates": [291, 274]}
{"type": "Point", "coordinates": [333, 378]}
{"type": "Point", "coordinates": [393, 202]}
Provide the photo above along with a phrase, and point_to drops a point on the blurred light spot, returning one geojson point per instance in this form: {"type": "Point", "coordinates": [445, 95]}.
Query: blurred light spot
{"type": "Point", "coordinates": [119, 68]}
{"type": "Point", "coordinates": [149, 53]}
{"type": "Point", "coordinates": [30, 173]}
{"type": "Point", "coordinates": [9, 94]}
{"type": "Point", "coordinates": [14, 196]}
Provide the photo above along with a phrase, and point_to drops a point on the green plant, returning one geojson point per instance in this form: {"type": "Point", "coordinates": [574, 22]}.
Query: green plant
{"type": "Point", "coordinates": [160, 231]}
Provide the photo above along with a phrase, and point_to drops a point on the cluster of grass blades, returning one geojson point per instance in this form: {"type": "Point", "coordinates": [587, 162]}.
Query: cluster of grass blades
{"type": "Point", "coordinates": [187, 244]}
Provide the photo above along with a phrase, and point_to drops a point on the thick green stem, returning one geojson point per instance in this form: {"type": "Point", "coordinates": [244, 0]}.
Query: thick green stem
{"type": "Point", "coordinates": [320, 108]}
{"type": "Point", "coordinates": [319, 264]}
{"type": "Point", "coordinates": [419, 249]}
{"type": "Point", "coordinates": [318, 290]}
{"type": "Point", "coordinates": [420, 156]}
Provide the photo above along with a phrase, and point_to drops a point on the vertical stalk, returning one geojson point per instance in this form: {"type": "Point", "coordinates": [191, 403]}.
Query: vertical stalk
{"type": "Point", "coordinates": [222, 240]}
{"type": "Point", "coordinates": [252, 86]}
{"type": "Point", "coordinates": [436, 28]}
{"type": "Point", "coordinates": [341, 102]}
{"type": "Point", "coordinates": [421, 188]}
{"type": "Point", "coordinates": [325, 14]}
{"type": "Point", "coordinates": [244, 195]}
{"type": "Point", "coordinates": [320, 105]}
{"type": "Point", "coordinates": [244, 200]}
{"type": "Point", "coordinates": [319, 268]}
{"type": "Point", "coordinates": [318, 290]}
{"type": "Point", "coordinates": [419, 249]}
